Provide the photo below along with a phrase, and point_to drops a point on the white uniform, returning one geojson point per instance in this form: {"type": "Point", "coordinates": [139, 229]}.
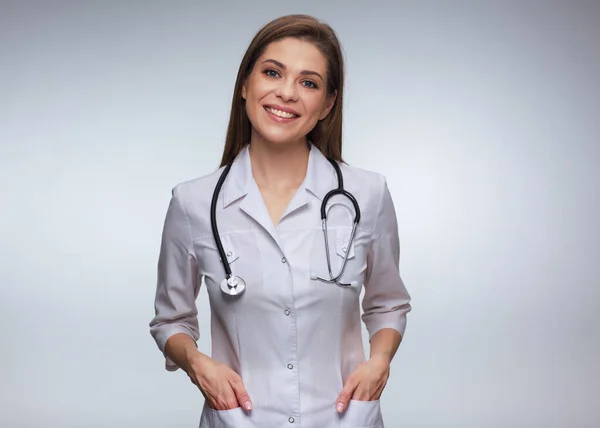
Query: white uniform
{"type": "Point", "coordinates": [293, 340]}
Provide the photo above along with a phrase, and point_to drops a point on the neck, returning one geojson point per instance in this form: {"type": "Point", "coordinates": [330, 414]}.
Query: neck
{"type": "Point", "coordinates": [279, 166]}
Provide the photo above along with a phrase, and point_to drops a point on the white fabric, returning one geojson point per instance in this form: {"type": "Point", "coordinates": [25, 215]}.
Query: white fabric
{"type": "Point", "coordinates": [293, 340]}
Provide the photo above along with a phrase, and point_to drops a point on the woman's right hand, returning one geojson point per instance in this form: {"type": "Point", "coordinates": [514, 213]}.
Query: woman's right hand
{"type": "Point", "coordinates": [222, 388]}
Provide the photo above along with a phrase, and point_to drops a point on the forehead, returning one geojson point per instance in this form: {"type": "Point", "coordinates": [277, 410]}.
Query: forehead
{"type": "Point", "coordinates": [296, 54]}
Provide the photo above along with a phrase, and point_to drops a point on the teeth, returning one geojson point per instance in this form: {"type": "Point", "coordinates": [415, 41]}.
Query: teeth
{"type": "Point", "coordinates": [280, 113]}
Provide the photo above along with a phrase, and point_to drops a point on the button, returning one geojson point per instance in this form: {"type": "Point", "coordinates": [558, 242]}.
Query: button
{"type": "Point", "coordinates": [291, 420]}
{"type": "Point", "coordinates": [283, 260]}
{"type": "Point", "coordinates": [229, 253]}
{"type": "Point", "coordinates": [344, 249]}
{"type": "Point", "coordinates": [290, 366]}
{"type": "Point", "coordinates": [287, 312]}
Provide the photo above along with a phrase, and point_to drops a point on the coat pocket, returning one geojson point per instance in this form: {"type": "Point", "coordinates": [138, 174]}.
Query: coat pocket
{"type": "Point", "coordinates": [243, 254]}
{"type": "Point", "coordinates": [229, 248]}
{"type": "Point", "coordinates": [233, 418]}
{"type": "Point", "coordinates": [343, 244]}
{"type": "Point", "coordinates": [362, 414]}
{"type": "Point", "coordinates": [339, 245]}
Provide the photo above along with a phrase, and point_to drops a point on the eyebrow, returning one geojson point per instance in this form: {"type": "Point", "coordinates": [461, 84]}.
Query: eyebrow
{"type": "Point", "coordinates": [303, 72]}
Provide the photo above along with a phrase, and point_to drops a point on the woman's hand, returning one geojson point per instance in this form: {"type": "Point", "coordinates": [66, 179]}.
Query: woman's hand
{"type": "Point", "coordinates": [366, 382]}
{"type": "Point", "coordinates": [222, 388]}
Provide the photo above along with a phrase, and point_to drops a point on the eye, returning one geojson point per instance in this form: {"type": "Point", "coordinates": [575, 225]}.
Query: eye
{"type": "Point", "coordinates": [310, 84]}
{"type": "Point", "coordinates": [271, 73]}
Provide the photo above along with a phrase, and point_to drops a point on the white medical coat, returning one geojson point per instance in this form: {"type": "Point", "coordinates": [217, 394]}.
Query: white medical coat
{"type": "Point", "coordinates": [293, 340]}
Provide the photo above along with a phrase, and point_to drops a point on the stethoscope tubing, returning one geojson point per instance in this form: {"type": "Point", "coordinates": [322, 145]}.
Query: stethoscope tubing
{"type": "Point", "coordinates": [213, 221]}
{"type": "Point", "coordinates": [231, 282]}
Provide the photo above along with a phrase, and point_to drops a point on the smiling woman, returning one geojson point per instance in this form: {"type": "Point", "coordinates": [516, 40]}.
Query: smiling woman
{"type": "Point", "coordinates": [295, 50]}
{"type": "Point", "coordinates": [287, 84]}
{"type": "Point", "coordinates": [283, 211]}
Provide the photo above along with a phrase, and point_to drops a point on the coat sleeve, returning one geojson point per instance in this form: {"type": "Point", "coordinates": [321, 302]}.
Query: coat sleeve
{"type": "Point", "coordinates": [178, 282]}
{"type": "Point", "coordinates": [386, 301]}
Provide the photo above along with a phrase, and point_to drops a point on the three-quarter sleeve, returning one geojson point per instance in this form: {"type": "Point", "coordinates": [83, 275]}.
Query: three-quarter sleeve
{"type": "Point", "coordinates": [386, 301]}
{"type": "Point", "coordinates": [177, 280]}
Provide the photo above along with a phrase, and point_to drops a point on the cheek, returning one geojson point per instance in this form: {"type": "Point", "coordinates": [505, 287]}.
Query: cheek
{"type": "Point", "coordinates": [313, 114]}
{"type": "Point", "coordinates": [252, 105]}
{"type": "Point", "coordinates": [315, 106]}
{"type": "Point", "coordinates": [254, 95]}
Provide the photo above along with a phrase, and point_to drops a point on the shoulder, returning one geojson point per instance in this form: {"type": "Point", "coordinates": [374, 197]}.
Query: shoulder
{"type": "Point", "coordinates": [369, 188]}
{"type": "Point", "coordinates": [194, 197]}
{"type": "Point", "coordinates": [197, 188]}
{"type": "Point", "coordinates": [364, 179]}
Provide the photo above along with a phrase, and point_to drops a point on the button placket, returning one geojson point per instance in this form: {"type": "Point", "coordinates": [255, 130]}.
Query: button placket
{"type": "Point", "coordinates": [293, 357]}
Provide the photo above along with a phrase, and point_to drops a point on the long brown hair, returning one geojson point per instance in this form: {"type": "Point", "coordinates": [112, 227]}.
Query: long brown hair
{"type": "Point", "coordinates": [327, 133]}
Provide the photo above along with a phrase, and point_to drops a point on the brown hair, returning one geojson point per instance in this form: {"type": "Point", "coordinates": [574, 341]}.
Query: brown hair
{"type": "Point", "coordinates": [327, 133]}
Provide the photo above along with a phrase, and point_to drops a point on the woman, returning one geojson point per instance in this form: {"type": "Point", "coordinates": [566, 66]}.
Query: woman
{"type": "Point", "coordinates": [286, 349]}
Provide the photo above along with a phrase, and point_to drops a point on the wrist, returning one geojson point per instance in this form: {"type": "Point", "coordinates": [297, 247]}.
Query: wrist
{"type": "Point", "coordinates": [381, 357]}
{"type": "Point", "coordinates": [194, 360]}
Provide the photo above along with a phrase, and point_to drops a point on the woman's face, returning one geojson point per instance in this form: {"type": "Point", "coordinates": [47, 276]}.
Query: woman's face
{"type": "Point", "coordinates": [286, 92]}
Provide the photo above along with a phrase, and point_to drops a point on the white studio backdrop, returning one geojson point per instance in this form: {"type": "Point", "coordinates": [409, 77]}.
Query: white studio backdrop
{"type": "Point", "coordinates": [484, 116]}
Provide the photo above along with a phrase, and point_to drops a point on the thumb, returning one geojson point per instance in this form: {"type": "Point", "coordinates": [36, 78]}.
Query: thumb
{"type": "Point", "coordinates": [345, 395]}
{"type": "Point", "coordinates": [241, 394]}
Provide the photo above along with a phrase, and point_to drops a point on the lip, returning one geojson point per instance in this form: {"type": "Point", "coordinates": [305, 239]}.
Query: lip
{"type": "Point", "coordinates": [281, 108]}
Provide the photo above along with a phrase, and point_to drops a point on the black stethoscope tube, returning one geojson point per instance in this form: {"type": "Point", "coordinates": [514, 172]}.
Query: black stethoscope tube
{"type": "Point", "coordinates": [230, 283]}
{"type": "Point", "coordinates": [213, 221]}
{"type": "Point", "coordinates": [339, 191]}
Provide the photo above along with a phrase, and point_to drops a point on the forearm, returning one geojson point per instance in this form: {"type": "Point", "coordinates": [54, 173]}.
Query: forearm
{"type": "Point", "coordinates": [385, 343]}
{"type": "Point", "coordinates": [181, 348]}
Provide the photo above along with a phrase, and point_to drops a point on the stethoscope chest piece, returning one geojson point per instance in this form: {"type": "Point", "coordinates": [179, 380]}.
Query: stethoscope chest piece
{"type": "Point", "coordinates": [233, 285]}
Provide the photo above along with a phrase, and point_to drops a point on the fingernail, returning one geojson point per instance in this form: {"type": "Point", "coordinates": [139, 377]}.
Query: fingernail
{"type": "Point", "coordinates": [248, 405]}
{"type": "Point", "coordinates": [339, 407]}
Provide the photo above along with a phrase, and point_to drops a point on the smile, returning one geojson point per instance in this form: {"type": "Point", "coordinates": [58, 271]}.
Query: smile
{"type": "Point", "coordinates": [280, 113]}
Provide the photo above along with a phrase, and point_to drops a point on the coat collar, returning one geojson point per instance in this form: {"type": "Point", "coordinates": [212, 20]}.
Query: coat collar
{"type": "Point", "coordinates": [320, 176]}
{"type": "Point", "coordinates": [237, 183]}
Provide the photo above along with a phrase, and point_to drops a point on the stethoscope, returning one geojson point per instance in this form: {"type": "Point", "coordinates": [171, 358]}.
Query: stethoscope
{"type": "Point", "coordinates": [234, 285]}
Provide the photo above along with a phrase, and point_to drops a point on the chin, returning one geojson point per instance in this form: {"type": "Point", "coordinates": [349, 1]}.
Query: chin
{"type": "Point", "coordinates": [280, 138]}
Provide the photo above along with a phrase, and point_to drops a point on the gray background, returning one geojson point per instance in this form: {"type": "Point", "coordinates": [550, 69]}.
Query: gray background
{"type": "Point", "coordinates": [484, 116]}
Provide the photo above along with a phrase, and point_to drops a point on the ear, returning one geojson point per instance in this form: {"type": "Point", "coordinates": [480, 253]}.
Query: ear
{"type": "Point", "coordinates": [244, 90]}
{"type": "Point", "coordinates": [330, 102]}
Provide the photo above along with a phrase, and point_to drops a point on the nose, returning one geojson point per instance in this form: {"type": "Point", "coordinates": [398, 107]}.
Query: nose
{"type": "Point", "coordinates": [287, 90]}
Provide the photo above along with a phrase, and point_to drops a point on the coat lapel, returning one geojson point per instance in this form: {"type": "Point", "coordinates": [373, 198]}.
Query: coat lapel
{"type": "Point", "coordinates": [318, 181]}
{"type": "Point", "coordinates": [254, 206]}
{"type": "Point", "coordinates": [240, 183]}
{"type": "Point", "coordinates": [320, 178]}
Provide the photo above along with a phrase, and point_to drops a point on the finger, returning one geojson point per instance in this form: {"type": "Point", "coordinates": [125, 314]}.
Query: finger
{"type": "Point", "coordinates": [230, 401]}
{"type": "Point", "coordinates": [360, 394]}
{"type": "Point", "coordinates": [221, 398]}
{"type": "Point", "coordinates": [221, 401]}
{"type": "Point", "coordinates": [345, 395]}
{"type": "Point", "coordinates": [241, 394]}
{"type": "Point", "coordinates": [366, 391]}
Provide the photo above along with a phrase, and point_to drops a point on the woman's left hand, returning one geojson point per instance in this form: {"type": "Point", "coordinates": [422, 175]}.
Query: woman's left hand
{"type": "Point", "coordinates": [365, 383]}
